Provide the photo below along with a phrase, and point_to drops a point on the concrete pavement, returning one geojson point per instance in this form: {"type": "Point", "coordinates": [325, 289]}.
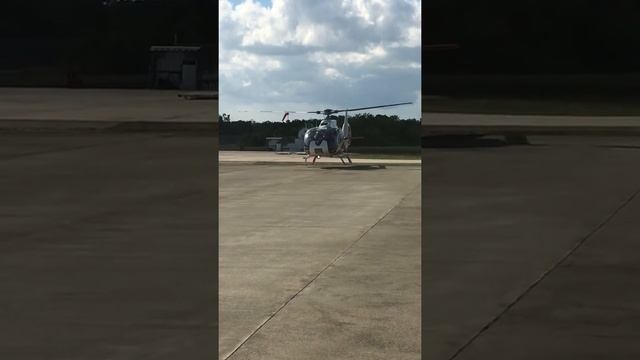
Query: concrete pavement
{"type": "Point", "coordinates": [529, 252]}
{"type": "Point", "coordinates": [270, 157]}
{"type": "Point", "coordinates": [107, 245]}
{"type": "Point", "coordinates": [447, 124]}
{"type": "Point", "coordinates": [110, 105]}
{"type": "Point", "coordinates": [319, 263]}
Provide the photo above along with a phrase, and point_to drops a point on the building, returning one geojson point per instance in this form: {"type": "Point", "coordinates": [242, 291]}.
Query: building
{"type": "Point", "coordinates": [183, 67]}
{"type": "Point", "coordinates": [276, 143]}
{"type": "Point", "coordinates": [298, 143]}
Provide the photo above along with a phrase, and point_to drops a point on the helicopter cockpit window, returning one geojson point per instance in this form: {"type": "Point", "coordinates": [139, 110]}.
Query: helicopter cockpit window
{"type": "Point", "coordinates": [331, 123]}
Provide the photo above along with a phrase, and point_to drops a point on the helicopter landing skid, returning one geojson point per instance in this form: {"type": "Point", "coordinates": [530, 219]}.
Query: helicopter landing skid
{"type": "Point", "coordinates": [315, 157]}
{"type": "Point", "coordinates": [313, 162]}
{"type": "Point", "coordinates": [348, 158]}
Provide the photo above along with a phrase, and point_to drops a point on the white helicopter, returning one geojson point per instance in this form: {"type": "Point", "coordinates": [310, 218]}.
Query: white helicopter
{"type": "Point", "coordinates": [328, 139]}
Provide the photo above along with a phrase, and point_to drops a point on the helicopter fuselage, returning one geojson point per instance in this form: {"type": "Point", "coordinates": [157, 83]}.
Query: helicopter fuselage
{"type": "Point", "coordinates": [325, 140]}
{"type": "Point", "coordinates": [330, 140]}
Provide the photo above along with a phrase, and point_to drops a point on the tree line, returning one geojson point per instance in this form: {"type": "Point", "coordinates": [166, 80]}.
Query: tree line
{"type": "Point", "coordinates": [370, 130]}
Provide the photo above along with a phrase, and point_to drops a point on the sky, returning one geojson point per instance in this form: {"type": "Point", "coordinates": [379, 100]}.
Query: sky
{"type": "Point", "coordinates": [306, 55]}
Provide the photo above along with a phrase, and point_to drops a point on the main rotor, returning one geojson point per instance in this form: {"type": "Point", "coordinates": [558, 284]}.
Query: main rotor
{"type": "Point", "coordinates": [328, 112]}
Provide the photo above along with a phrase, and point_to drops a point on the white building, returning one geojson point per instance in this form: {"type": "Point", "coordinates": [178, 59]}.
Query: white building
{"type": "Point", "coordinates": [182, 67]}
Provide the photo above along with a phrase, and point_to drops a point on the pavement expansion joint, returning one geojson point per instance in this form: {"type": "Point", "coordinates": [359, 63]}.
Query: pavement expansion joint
{"type": "Point", "coordinates": [64, 149]}
{"type": "Point", "coordinates": [546, 273]}
{"type": "Point", "coordinates": [342, 253]}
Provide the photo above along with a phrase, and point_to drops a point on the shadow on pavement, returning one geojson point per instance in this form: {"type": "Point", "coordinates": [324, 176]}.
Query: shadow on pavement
{"type": "Point", "coordinates": [354, 167]}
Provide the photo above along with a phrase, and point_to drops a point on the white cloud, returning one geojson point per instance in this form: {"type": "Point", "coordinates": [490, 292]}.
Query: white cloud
{"type": "Point", "coordinates": [334, 74]}
{"type": "Point", "coordinates": [308, 55]}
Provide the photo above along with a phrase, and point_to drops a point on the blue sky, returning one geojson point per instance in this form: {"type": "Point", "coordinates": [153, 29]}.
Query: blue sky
{"type": "Point", "coordinates": [303, 55]}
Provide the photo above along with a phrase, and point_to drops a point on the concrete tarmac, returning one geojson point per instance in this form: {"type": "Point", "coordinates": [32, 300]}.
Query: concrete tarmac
{"type": "Point", "coordinates": [530, 252]}
{"type": "Point", "coordinates": [471, 120]}
{"type": "Point", "coordinates": [109, 105]}
{"type": "Point", "coordinates": [270, 157]}
{"type": "Point", "coordinates": [108, 246]}
{"type": "Point", "coordinates": [448, 124]}
{"type": "Point", "coordinates": [319, 262]}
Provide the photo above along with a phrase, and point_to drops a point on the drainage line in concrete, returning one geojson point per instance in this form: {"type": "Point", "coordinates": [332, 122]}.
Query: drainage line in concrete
{"type": "Point", "coordinates": [340, 256]}
{"type": "Point", "coordinates": [553, 267]}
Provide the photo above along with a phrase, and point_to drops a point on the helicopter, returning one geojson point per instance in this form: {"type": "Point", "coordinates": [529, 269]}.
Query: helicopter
{"type": "Point", "coordinates": [328, 139]}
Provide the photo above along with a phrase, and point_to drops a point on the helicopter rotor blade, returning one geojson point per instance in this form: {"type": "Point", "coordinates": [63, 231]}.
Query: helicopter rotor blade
{"type": "Point", "coordinates": [274, 111]}
{"type": "Point", "coordinates": [327, 111]}
{"type": "Point", "coordinates": [332, 111]}
{"type": "Point", "coordinates": [373, 107]}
